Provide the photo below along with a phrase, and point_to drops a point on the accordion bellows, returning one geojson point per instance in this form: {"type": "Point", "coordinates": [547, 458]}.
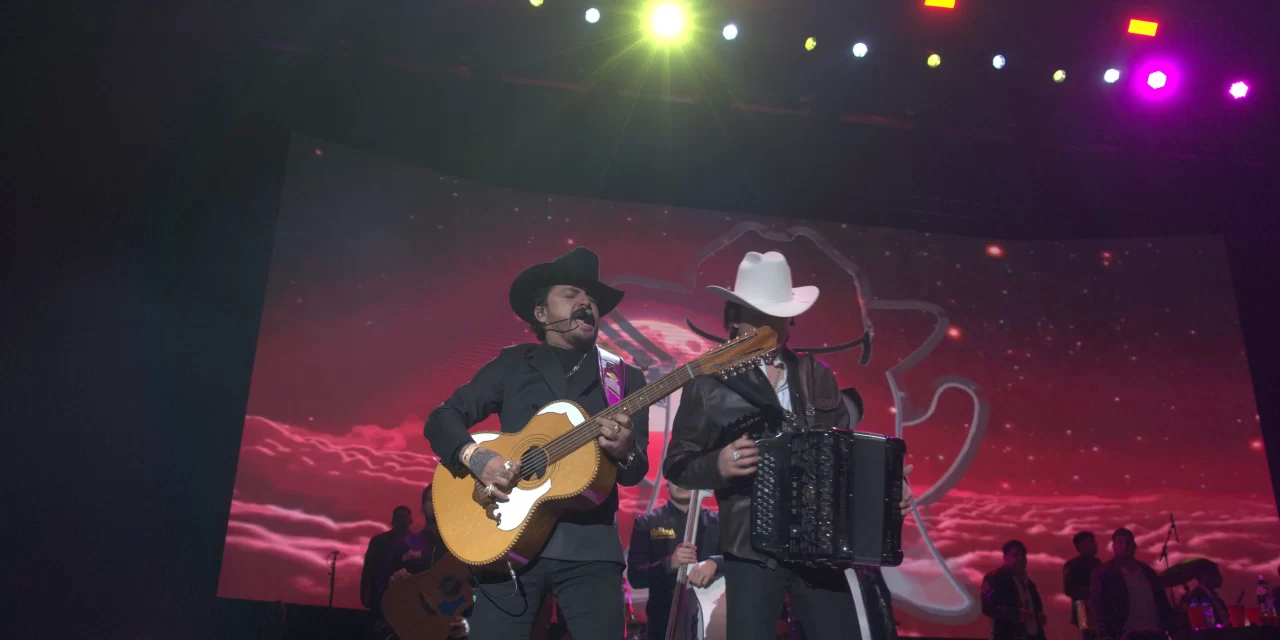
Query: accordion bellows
{"type": "Point", "coordinates": [829, 498]}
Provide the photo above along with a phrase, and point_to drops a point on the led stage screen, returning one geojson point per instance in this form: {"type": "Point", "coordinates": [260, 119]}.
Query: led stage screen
{"type": "Point", "coordinates": [1043, 388]}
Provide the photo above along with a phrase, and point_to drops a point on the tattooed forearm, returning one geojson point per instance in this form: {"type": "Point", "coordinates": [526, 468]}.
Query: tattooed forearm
{"type": "Point", "coordinates": [479, 460]}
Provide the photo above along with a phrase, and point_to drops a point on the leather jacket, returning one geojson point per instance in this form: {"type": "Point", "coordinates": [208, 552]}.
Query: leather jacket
{"type": "Point", "coordinates": [714, 413]}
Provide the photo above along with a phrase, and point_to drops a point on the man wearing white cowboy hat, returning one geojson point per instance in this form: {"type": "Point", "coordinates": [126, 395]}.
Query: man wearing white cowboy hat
{"type": "Point", "coordinates": [700, 456]}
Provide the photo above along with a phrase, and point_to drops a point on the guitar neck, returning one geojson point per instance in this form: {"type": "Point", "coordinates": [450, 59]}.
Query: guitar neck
{"type": "Point", "coordinates": [733, 356]}
{"type": "Point", "coordinates": [629, 406]}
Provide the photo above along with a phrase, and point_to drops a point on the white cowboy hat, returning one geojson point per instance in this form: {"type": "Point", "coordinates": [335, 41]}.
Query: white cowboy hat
{"type": "Point", "coordinates": [764, 284]}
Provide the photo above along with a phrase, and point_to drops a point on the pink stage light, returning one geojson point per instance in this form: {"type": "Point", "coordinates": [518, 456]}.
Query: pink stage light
{"type": "Point", "coordinates": [1239, 90]}
{"type": "Point", "coordinates": [1157, 80]}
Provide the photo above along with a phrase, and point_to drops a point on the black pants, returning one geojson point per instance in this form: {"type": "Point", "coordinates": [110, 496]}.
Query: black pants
{"type": "Point", "coordinates": [819, 599]}
{"type": "Point", "coordinates": [588, 593]}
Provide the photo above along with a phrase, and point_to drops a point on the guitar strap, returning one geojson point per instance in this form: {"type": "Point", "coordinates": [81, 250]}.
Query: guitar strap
{"type": "Point", "coordinates": [613, 377]}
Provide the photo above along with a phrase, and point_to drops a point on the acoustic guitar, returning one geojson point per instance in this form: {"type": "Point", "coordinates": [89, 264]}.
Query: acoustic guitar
{"type": "Point", "coordinates": [561, 465]}
{"type": "Point", "coordinates": [424, 606]}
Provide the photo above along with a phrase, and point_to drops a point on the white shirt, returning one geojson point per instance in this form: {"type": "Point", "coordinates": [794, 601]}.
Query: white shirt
{"type": "Point", "coordinates": [784, 386]}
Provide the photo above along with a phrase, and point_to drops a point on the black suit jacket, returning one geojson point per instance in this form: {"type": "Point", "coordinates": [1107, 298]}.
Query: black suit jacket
{"type": "Point", "coordinates": [515, 385]}
{"type": "Point", "coordinates": [1002, 603]}
{"type": "Point", "coordinates": [654, 538]}
{"type": "Point", "coordinates": [377, 556]}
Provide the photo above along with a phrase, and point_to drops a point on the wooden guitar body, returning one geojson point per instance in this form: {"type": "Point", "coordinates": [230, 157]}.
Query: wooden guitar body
{"type": "Point", "coordinates": [424, 606]}
{"type": "Point", "coordinates": [516, 530]}
{"type": "Point", "coordinates": [561, 467]}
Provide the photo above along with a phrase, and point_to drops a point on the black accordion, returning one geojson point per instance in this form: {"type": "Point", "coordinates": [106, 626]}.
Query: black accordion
{"type": "Point", "coordinates": [829, 498]}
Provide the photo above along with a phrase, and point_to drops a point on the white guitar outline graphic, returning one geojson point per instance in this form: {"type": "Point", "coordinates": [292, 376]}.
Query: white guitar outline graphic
{"type": "Point", "coordinates": [512, 513]}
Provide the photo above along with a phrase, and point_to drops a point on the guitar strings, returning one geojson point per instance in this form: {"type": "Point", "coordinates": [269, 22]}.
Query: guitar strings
{"type": "Point", "coordinates": [539, 460]}
{"type": "Point", "coordinates": [587, 431]}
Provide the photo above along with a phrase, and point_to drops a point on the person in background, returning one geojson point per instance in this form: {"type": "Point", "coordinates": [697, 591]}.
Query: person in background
{"type": "Point", "coordinates": [1011, 599]}
{"type": "Point", "coordinates": [418, 552]}
{"type": "Point", "coordinates": [377, 556]}
{"type": "Point", "coordinates": [1126, 598]}
{"type": "Point", "coordinates": [1076, 573]}
{"type": "Point", "coordinates": [656, 554]}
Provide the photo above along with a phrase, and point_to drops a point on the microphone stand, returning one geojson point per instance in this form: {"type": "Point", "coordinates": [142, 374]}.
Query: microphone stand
{"type": "Point", "coordinates": [333, 571]}
{"type": "Point", "coordinates": [1164, 550]}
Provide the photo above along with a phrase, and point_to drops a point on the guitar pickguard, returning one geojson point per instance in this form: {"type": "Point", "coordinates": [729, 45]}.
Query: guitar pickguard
{"type": "Point", "coordinates": [511, 514]}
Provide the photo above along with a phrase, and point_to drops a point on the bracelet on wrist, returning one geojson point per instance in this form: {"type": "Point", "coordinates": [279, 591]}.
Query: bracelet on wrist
{"type": "Point", "coordinates": [626, 462]}
{"type": "Point", "coordinates": [467, 450]}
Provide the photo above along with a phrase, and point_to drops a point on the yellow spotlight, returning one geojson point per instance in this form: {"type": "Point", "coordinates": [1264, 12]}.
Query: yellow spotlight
{"type": "Point", "coordinates": [934, 60]}
{"type": "Point", "coordinates": [810, 44]}
{"type": "Point", "coordinates": [536, 3]}
{"type": "Point", "coordinates": [667, 21]}
{"type": "Point", "coordinates": [1059, 76]}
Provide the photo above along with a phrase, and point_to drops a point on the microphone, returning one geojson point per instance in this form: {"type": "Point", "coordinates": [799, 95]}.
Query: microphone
{"type": "Point", "coordinates": [1173, 525]}
{"type": "Point", "coordinates": [582, 313]}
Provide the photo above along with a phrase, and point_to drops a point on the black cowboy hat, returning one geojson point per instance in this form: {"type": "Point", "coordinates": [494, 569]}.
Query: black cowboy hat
{"type": "Point", "coordinates": [580, 268]}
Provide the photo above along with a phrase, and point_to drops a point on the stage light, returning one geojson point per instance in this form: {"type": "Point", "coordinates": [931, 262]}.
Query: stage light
{"type": "Point", "coordinates": [593, 15]}
{"type": "Point", "coordinates": [730, 32]}
{"type": "Point", "coordinates": [1157, 79]}
{"type": "Point", "coordinates": [1111, 76]}
{"type": "Point", "coordinates": [809, 44]}
{"type": "Point", "coordinates": [1143, 27]}
{"type": "Point", "coordinates": [998, 62]}
{"type": "Point", "coordinates": [536, 3]}
{"type": "Point", "coordinates": [860, 50]}
{"type": "Point", "coordinates": [667, 21]}
{"type": "Point", "coordinates": [941, 4]}
{"type": "Point", "coordinates": [1059, 76]}
{"type": "Point", "coordinates": [1239, 90]}
{"type": "Point", "coordinates": [934, 60]}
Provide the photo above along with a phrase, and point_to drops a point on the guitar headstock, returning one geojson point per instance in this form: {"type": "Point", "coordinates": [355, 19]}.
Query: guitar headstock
{"type": "Point", "coordinates": [740, 354]}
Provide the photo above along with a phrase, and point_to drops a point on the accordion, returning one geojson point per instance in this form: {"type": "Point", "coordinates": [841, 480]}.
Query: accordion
{"type": "Point", "coordinates": [829, 498]}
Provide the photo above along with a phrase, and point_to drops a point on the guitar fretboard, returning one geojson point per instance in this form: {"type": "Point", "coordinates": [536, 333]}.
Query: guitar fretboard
{"type": "Point", "coordinates": [580, 435]}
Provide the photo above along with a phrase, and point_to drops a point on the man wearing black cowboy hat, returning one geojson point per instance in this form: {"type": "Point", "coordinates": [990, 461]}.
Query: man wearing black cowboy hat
{"type": "Point", "coordinates": [582, 562]}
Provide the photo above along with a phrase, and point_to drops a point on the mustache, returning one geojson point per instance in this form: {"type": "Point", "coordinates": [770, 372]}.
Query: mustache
{"type": "Point", "coordinates": [584, 314]}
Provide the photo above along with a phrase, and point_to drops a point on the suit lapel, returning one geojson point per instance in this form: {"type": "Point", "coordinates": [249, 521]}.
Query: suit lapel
{"type": "Point", "coordinates": [581, 383]}
{"type": "Point", "coordinates": [544, 361]}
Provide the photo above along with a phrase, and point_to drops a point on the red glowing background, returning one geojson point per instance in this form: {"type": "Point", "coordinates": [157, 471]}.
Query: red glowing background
{"type": "Point", "coordinates": [1111, 374]}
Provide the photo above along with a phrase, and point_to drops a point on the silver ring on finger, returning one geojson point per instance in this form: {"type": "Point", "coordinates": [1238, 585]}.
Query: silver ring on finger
{"type": "Point", "coordinates": [736, 455]}
{"type": "Point", "coordinates": [507, 466]}
{"type": "Point", "coordinates": [488, 491]}
{"type": "Point", "coordinates": [617, 428]}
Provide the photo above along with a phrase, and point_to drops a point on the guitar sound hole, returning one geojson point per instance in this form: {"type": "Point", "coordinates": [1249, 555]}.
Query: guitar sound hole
{"type": "Point", "coordinates": [533, 464]}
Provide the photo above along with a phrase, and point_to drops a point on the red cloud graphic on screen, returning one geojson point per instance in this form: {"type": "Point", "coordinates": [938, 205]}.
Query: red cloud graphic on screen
{"type": "Point", "coordinates": [278, 553]}
{"type": "Point", "coordinates": [273, 552]}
